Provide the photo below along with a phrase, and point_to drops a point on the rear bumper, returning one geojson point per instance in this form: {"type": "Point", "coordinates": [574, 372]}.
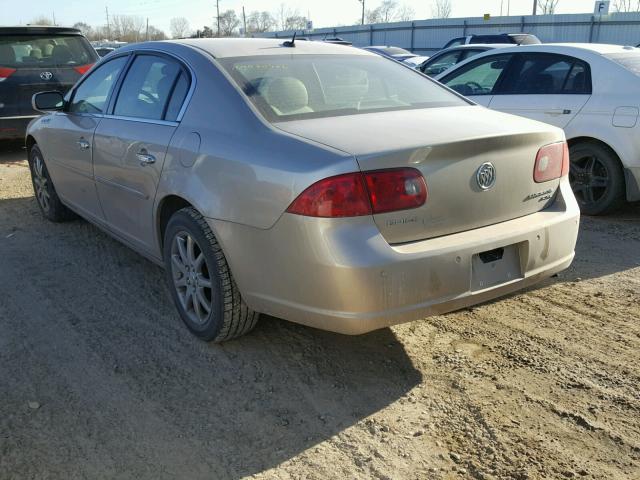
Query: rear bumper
{"type": "Point", "coordinates": [14, 128]}
{"type": "Point", "coordinates": [341, 275]}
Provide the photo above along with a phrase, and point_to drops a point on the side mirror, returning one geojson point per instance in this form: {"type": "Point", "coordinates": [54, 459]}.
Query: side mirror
{"type": "Point", "coordinates": [47, 101]}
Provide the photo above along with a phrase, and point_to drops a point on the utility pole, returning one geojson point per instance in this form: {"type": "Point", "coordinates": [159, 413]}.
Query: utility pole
{"type": "Point", "coordinates": [108, 26]}
{"type": "Point", "coordinates": [244, 21]}
{"type": "Point", "coordinates": [362, 1]}
{"type": "Point", "coordinates": [218, 17]}
{"type": "Point", "coordinates": [147, 35]}
{"type": "Point", "coordinates": [535, 7]}
{"type": "Point", "coordinates": [53, 13]}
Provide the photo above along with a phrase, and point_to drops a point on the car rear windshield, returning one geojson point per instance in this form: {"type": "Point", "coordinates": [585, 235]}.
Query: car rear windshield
{"type": "Point", "coordinates": [29, 51]}
{"type": "Point", "coordinates": [630, 61]}
{"type": "Point", "coordinates": [315, 86]}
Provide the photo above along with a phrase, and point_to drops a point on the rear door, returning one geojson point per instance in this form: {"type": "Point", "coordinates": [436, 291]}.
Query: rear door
{"type": "Point", "coordinates": [547, 87]}
{"type": "Point", "coordinates": [68, 139]}
{"type": "Point", "coordinates": [130, 144]}
{"type": "Point", "coordinates": [35, 63]}
{"type": "Point", "coordinates": [480, 79]}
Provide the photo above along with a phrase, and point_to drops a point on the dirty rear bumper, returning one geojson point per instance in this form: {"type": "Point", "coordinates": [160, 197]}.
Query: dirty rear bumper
{"type": "Point", "coordinates": [14, 128]}
{"type": "Point", "coordinates": [341, 275]}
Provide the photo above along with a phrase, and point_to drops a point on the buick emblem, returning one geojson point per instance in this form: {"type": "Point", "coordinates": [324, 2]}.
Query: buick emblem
{"type": "Point", "coordinates": [486, 176]}
{"type": "Point", "coordinates": [46, 75]}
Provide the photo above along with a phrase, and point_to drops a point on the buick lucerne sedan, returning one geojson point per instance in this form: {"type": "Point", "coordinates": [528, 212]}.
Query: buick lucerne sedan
{"type": "Point", "coordinates": [318, 183]}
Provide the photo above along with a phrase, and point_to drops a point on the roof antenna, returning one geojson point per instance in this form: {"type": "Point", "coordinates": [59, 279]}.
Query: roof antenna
{"type": "Point", "coordinates": [292, 42]}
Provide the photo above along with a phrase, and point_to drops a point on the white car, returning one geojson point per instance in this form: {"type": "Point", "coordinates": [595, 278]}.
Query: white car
{"type": "Point", "coordinates": [591, 91]}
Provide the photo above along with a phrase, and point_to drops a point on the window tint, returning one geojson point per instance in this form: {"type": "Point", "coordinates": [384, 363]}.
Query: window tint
{"type": "Point", "coordinates": [147, 87]}
{"type": "Point", "coordinates": [479, 77]}
{"type": "Point", "coordinates": [91, 96]}
{"type": "Point", "coordinates": [579, 80]}
{"type": "Point", "coordinates": [285, 87]}
{"type": "Point", "coordinates": [468, 53]}
{"type": "Point", "coordinates": [177, 97]}
{"type": "Point", "coordinates": [443, 62]}
{"type": "Point", "coordinates": [545, 74]}
{"type": "Point", "coordinates": [491, 39]}
{"type": "Point", "coordinates": [455, 42]}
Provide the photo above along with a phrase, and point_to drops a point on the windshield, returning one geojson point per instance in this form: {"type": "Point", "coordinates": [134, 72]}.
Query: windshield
{"type": "Point", "coordinates": [315, 86]}
{"type": "Point", "coordinates": [630, 61]}
{"type": "Point", "coordinates": [28, 51]}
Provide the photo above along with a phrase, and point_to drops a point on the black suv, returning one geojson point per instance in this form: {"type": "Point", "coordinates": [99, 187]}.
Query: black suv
{"type": "Point", "coordinates": [515, 38]}
{"type": "Point", "coordinates": [34, 59]}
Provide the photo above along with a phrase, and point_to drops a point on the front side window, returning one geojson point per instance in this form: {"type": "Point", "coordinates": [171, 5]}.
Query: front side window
{"type": "Point", "coordinates": [315, 86]}
{"type": "Point", "coordinates": [546, 74]}
{"type": "Point", "coordinates": [92, 94]}
{"type": "Point", "coordinates": [147, 88]}
{"type": "Point", "coordinates": [479, 77]}
{"type": "Point", "coordinates": [443, 62]}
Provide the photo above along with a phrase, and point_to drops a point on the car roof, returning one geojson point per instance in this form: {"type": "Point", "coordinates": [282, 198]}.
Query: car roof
{"type": "Point", "coordinates": [482, 45]}
{"type": "Point", "coordinates": [246, 47]}
{"type": "Point", "coordinates": [39, 29]}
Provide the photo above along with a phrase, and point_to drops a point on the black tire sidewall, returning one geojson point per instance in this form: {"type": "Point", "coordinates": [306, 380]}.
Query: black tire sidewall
{"type": "Point", "coordinates": [32, 153]}
{"type": "Point", "coordinates": [182, 221]}
{"type": "Point", "coordinates": [615, 195]}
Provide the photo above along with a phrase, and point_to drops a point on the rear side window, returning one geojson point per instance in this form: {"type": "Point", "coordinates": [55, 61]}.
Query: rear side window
{"type": "Point", "coordinates": [442, 63]}
{"type": "Point", "coordinates": [44, 51]}
{"type": "Point", "coordinates": [546, 74]}
{"type": "Point", "coordinates": [148, 87]}
{"type": "Point", "coordinates": [455, 42]}
{"type": "Point", "coordinates": [92, 94]}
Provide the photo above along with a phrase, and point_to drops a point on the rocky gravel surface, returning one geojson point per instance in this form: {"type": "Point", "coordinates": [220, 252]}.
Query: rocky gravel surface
{"type": "Point", "coordinates": [99, 379]}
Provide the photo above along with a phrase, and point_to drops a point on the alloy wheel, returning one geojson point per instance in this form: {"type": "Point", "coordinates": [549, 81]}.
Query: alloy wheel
{"type": "Point", "coordinates": [191, 277]}
{"type": "Point", "coordinates": [589, 178]}
{"type": "Point", "coordinates": [41, 183]}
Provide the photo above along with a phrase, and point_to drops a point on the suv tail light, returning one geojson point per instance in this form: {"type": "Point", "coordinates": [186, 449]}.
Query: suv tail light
{"type": "Point", "coordinates": [366, 193]}
{"type": "Point", "coordinates": [552, 162]}
{"type": "Point", "coordinates": [82, 69]}
{"type": "Point", "coordinates": [6, 72]}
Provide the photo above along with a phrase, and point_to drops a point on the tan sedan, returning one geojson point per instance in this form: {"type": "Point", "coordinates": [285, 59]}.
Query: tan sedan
{"type": "Point", "coordinates": [318, 183]}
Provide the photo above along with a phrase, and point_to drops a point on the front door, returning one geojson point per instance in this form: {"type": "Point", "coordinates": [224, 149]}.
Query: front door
{"type": "Point", "coordinates": [130, 145]}
{"type": "Point", "coordinates": [70, 137]}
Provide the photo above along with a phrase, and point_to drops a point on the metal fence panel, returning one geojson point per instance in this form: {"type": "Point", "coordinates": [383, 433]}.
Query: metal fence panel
{"type": "Point", "coordinates": [425, 36]}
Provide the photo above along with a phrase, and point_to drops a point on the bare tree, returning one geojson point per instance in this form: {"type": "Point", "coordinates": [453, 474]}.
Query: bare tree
{"type": "Point", "coordinates": [548, 7]}
{"type": "Point", "coordinates": [388, 10]}
{"type": "Point", "coordinates": [156, 33]}
{"type": "Point", "coordinates": [258, 22]}
{"type": "Point", "coordinates": [405, 13]}
{"type": "Point", "coordinates": [441, 9]}
{"type": "Point", "coordinates": [229, 22]}
{"type": "Point", "coordinates": [295, 22]}
{"type": "Point", "coordinates": [127, 28]}
{"type": "Point", "coordinates": [179, 27]}
{"type": "Point", "coordinates": [41, 20]}
{"type": "Point", "coordinates": [627, 5]}
{"type": "Point", "coordinates": [85, 28]}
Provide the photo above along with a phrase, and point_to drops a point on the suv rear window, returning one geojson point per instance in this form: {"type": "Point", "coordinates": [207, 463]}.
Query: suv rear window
{"type": "Point", "coordinates": [27, 51]}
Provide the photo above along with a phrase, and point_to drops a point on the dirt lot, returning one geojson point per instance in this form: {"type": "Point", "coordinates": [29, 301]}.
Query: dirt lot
{"type": "Point", "coordinates": [98, 378]}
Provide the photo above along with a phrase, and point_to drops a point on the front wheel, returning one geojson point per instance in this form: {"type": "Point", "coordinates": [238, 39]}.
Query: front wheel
{"type": "Point", "coordinates": [200, 280]}
{"type": "Point", "coordinates": [48, 201]}
{"type": "Point", "coordinates": [597, 178]}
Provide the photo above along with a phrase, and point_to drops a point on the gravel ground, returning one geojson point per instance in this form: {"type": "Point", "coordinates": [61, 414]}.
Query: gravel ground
{"type": "Point", "coordinates": [98, 378]}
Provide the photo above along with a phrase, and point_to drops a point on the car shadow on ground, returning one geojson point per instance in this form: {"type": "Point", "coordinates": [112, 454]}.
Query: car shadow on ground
{"type": "Point", "coordinates": [12, 152]}
{"type": "Point", "coordinates": [125, 389]}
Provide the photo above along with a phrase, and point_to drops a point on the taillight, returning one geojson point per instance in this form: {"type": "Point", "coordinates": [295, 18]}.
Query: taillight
{"type": "Point", "coordinates": [82, 69]}
{"type": "Point", "coordinates": [357, 194]}
{"type": "Point", "coordinates": [6, 72]}
{"type": "Point", "coordinates": [552, 162]}
{"type": "Point", "coordinates": [391, 190]}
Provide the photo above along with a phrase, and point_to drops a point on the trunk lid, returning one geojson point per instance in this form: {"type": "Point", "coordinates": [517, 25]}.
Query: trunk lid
{"type": "Point", "coordinates": [448, 146]}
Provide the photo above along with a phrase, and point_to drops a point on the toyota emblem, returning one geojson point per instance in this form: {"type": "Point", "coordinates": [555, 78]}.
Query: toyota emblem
{"type": "Point", "coordinates": [486, 176]}
{"type": "Point", "coordinates": [46, 75]}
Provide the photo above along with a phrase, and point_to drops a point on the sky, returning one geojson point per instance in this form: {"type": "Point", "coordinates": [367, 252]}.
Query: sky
{"type": "Point", "coordinates": [323, 13]}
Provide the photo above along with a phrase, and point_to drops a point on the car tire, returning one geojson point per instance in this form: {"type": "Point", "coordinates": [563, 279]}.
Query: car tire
{"type": "Point", "coordinates": [46, 197]}
{"type": "Point", "coordinates": [597, 178]}
{"type": "Point", "coordinates": [200, 281]}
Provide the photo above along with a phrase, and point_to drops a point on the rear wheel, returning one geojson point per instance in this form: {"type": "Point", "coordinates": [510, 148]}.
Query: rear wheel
{"type": "Point", "coordinates": [200, 280]}
{"type": "Point", "coordinates": [48, 201]}
{"type": "Point", "coordinates": [596, 178]}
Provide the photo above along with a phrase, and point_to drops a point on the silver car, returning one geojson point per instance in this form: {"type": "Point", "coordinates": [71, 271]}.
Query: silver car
{"type": "Point", "coordinates": [314, 182]}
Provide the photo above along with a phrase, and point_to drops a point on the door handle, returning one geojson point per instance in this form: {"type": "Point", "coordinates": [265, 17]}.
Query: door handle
{"type": "Point", "coordinates": [83, 144]}
{"type": "Point", "coordinates": [559, 111]}
{"type": "Point", "coordinates": [145, 157]}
